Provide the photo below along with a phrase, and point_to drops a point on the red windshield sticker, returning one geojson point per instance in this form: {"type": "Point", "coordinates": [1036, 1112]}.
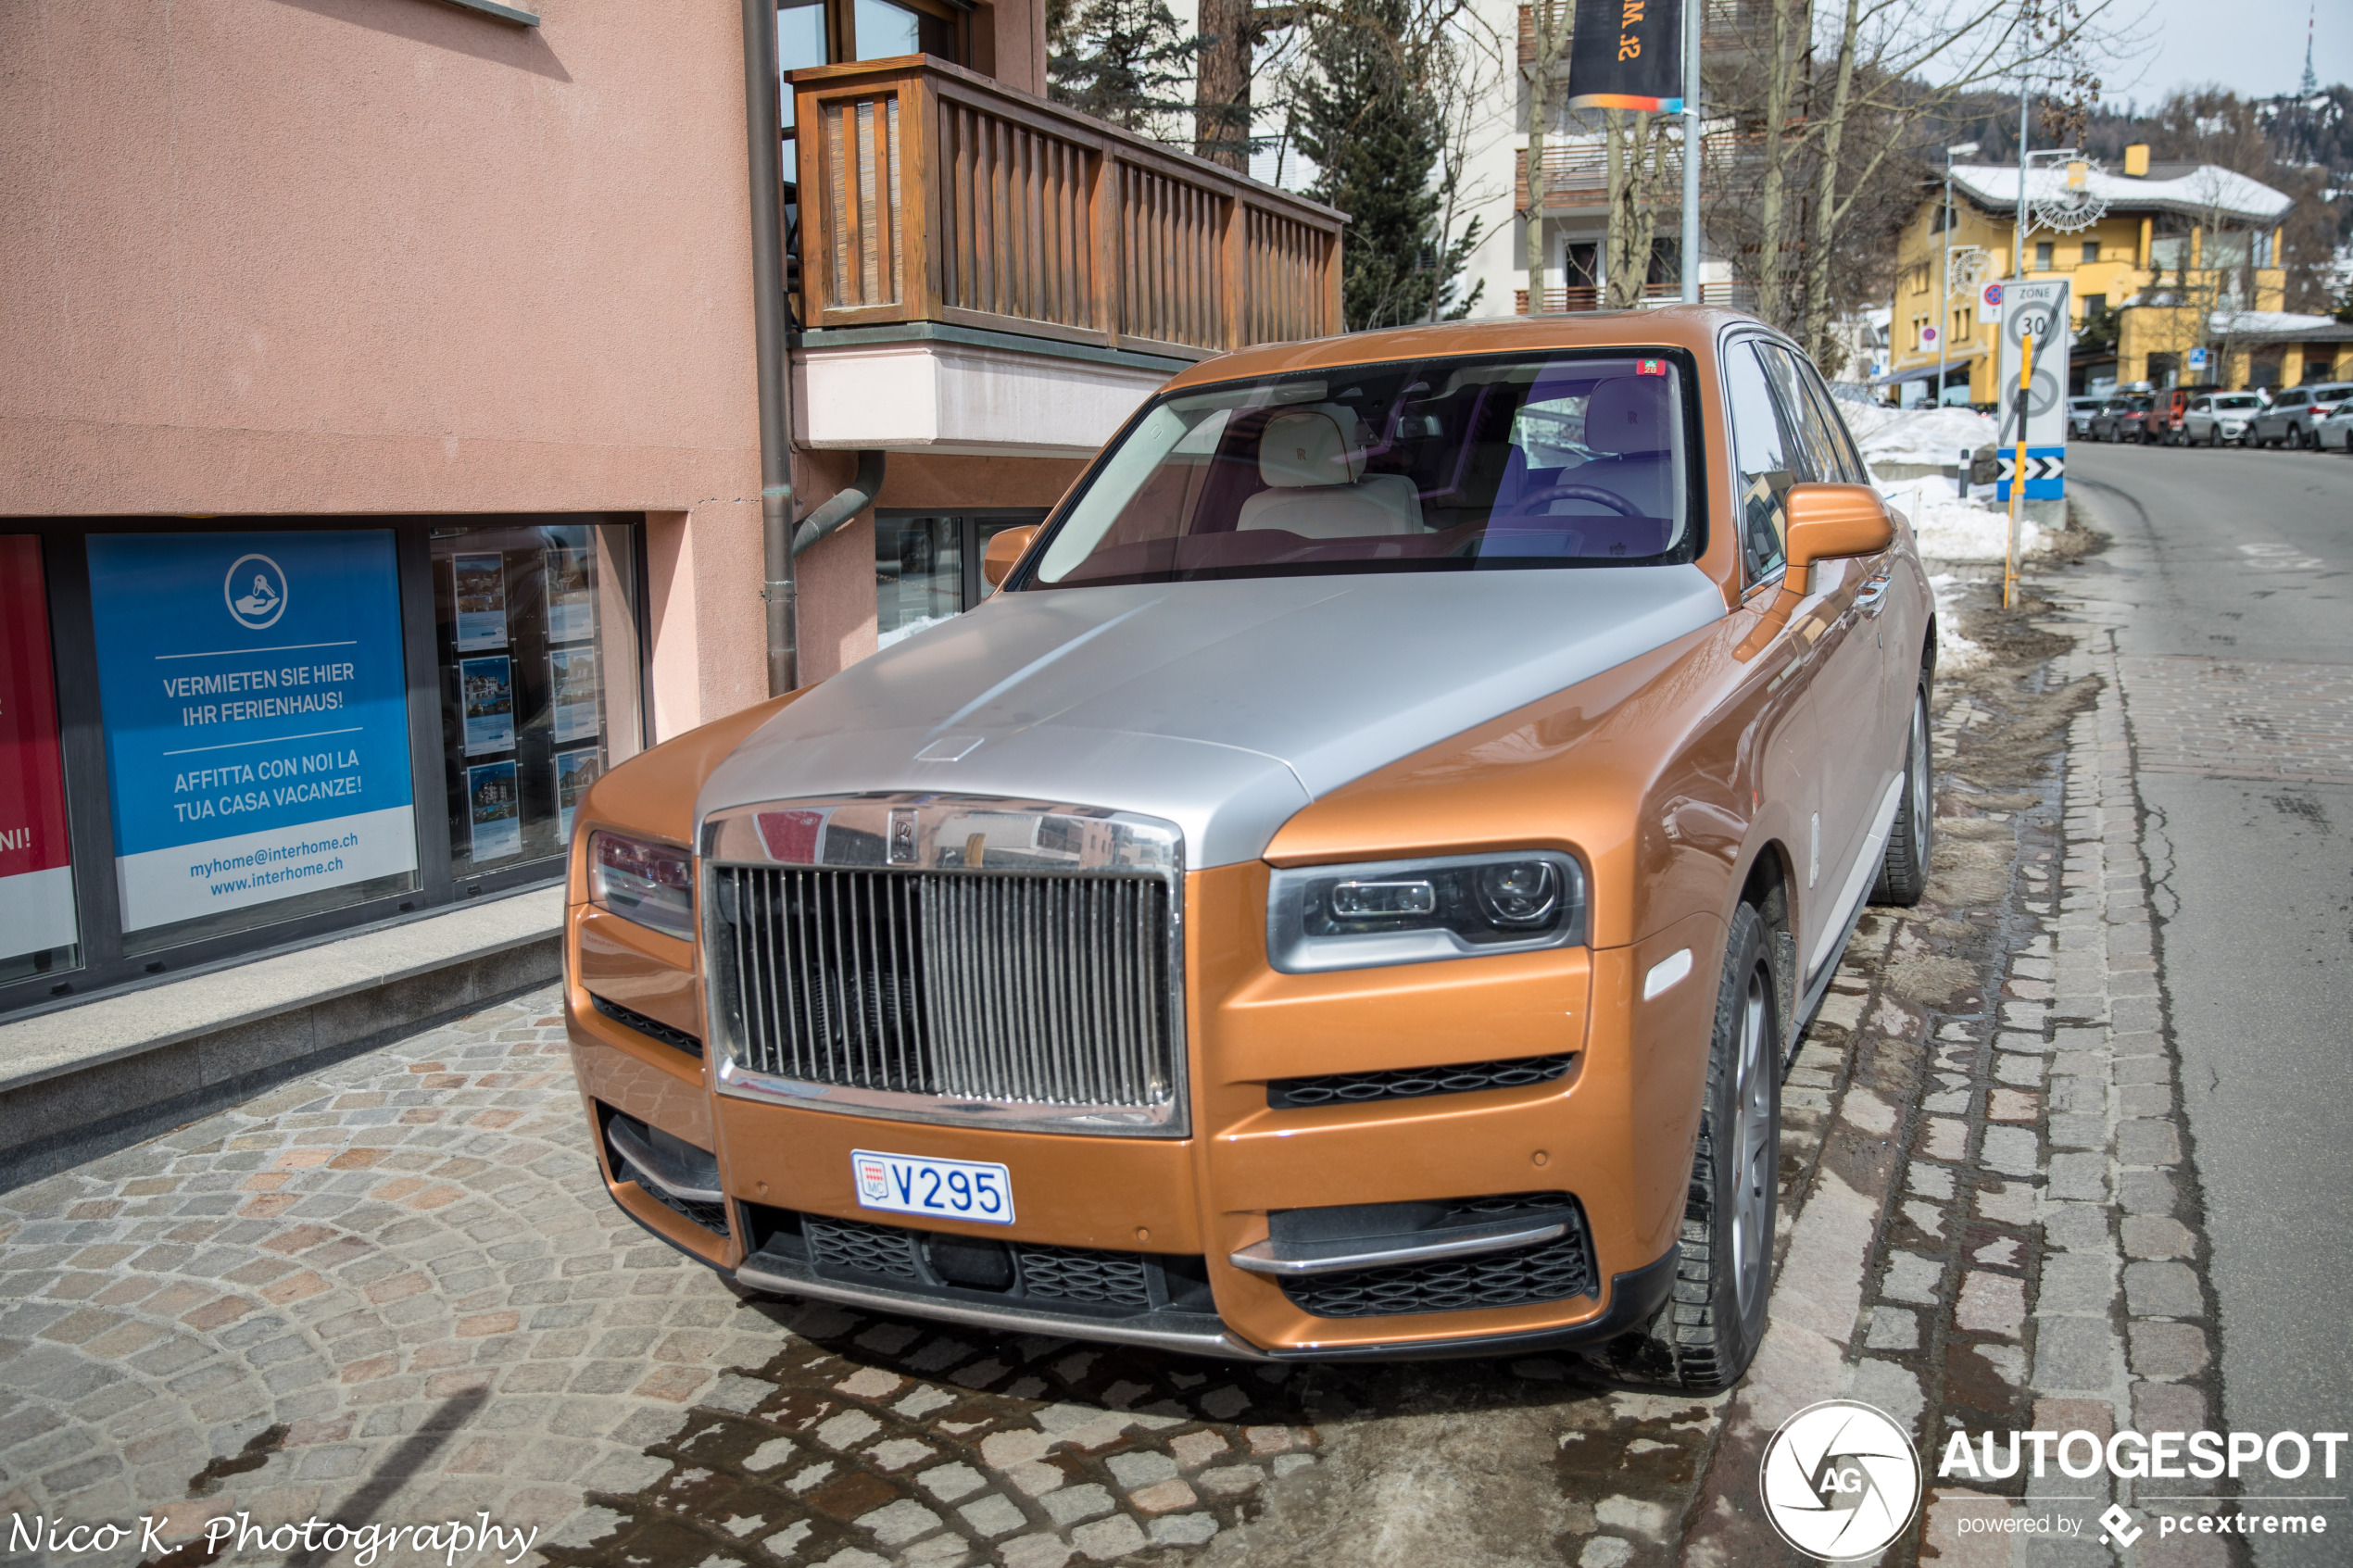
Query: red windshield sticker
{"type": "Point", "coordinates": [1650, 367]}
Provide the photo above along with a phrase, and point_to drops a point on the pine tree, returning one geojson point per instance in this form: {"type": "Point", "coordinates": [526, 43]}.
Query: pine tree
{"type": "Point", "coordinates": [1119, 60]}
{"type": "Point", "coordinates": [1368, 121]}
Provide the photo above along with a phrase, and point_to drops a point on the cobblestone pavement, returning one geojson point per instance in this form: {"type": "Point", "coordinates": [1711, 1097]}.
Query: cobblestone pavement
{"type": "Point", "coordinates": [394, 1291]}
{"type": "Point", "coordinates": [2243, 719]}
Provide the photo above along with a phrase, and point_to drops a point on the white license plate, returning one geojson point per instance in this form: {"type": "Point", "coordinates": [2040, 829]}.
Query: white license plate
{"type": "Point", "coordinates": [945, 1189]}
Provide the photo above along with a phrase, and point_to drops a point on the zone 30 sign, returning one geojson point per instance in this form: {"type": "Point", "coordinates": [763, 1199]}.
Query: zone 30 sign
{"type": "Point", "coordinates": [2038, 311]}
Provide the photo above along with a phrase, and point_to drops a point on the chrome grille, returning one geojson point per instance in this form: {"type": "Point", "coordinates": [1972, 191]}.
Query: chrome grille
{"type": "Point", "coordinates": [1014, 987]}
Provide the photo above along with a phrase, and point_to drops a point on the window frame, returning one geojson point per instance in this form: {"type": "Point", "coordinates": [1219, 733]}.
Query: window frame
{"type": "Point", "coordinates": [972, 587]}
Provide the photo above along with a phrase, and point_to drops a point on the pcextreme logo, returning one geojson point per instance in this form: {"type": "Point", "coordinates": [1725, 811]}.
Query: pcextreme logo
{"type": "Point", "coordinates": [1841, 1480]}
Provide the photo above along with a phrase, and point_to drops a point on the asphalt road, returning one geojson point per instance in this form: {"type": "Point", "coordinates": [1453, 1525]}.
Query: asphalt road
{"type": "Point", "coordinates": [2237, 669]}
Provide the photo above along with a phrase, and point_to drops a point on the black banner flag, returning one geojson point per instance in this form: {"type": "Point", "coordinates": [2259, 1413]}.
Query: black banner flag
{"type": "Point", "coordinates": [1626, 54]}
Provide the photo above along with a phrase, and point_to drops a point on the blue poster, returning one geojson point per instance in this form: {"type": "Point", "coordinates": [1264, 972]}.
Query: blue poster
{"type": "Point", "coordinates": [255, 715]}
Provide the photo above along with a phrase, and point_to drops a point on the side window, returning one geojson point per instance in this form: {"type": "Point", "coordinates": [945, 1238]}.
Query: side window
{"type": "Point", "coordinates": [1823, 438]}
{"type": "Point", "coordinates": [1842, 440]}
{"type": "Point", "coordinates": [1765, 461]}
{"type": "Point", "coordinates": [1815, 460]}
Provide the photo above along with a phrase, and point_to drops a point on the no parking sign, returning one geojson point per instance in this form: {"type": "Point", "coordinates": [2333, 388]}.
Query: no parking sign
{"type": "Point", "coordinates": [2036, 310]}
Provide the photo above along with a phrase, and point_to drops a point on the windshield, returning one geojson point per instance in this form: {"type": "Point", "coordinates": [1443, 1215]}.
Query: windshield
{"type": "Point", "coordinates": [2240, 402]}
{"type": "Point", "coordinates": [1431, 465]}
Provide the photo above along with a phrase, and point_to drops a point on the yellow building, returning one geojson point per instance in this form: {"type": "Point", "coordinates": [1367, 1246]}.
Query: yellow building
{"type": "Point", "coordinates": [2184, 257]}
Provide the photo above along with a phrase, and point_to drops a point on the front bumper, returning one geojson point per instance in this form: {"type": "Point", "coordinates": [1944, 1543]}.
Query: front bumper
{"type": "Point", "coordinates": [1613, 1134]}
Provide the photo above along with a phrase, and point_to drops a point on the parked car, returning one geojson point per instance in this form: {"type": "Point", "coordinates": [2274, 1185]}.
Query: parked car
{"type": "Point", "coordinates": [2216, 418]}
{"type": "Point", "coordinates": [2079, 415]}
{"type": "Point", "coordinates": [2336, 433]}
{"type": "Point", "coordinates": [2166, 414]}
{"type": "Point", "coordinates": [1399, 808]}
{"type": "Point", "coordinates": [2119, 419]}
{"type": "Point", "coordinates": [2296, 413]}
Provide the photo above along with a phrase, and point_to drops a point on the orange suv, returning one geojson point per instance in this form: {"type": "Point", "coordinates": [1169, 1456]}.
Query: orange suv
{"type": "Point", "coordinates": [1351, 893]}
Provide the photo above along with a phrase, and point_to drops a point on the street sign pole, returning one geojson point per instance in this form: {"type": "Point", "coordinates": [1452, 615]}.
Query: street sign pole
{"type": "Point", "coordinates": [1693, 13]}
{"type": "Point", "coordinates": [2017, 479]}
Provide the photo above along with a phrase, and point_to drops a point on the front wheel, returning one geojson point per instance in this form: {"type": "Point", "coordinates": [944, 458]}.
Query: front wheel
{"type": "Point", "coordinates": [1707, 1332]}
{"type": "Point", "coordinates": [2214, 436]}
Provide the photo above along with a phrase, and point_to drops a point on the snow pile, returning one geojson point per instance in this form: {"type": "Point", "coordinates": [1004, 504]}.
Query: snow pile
{"type": "Point", "coordinates": [1954, 653]}
{"type": "Point", "coordinates": [1915, 435]}
{"type": "Point", "coordinates": [1950, 529]}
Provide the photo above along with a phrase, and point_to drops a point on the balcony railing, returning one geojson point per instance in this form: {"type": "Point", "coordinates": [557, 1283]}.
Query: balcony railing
{"type": "Point", "coordinates": [1576, 171]}
{"type": "Point", "coordinates": [1738, 296]}
{"type": "Point", "coordinates": [928, 193]}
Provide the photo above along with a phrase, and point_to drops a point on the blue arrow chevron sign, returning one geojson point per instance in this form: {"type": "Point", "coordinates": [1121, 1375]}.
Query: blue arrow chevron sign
{"type": "Point", "coordinates": [2046, 473]}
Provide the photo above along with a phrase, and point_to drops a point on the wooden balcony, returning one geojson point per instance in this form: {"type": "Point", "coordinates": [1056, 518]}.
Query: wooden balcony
{"type": "Point", "coordinates": [930, 193]}
{"type": "Point", "coordinates": [1576, 171]}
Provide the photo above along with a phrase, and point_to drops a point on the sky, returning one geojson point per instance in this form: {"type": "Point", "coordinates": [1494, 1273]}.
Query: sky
{"type": "Point", "coordinates": [2253, 46]}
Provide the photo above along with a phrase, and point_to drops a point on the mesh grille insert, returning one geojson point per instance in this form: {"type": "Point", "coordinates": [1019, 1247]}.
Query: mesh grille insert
{"type": "Point", "coordinates": [1552, 1271]}
{"type": "Point", "coordinates": [1078, 1273]}
{"type": "Point", "coordinates": [856, 1247]}
{"type": "Point", "coordinates": [653, 1029]}
{"type": "Point", "coordinates": [1412, 1083]}
{"type": "Point", "coordinates": [1060, 1274]}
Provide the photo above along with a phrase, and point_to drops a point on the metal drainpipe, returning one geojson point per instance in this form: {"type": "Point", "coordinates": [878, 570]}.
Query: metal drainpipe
{"type": "Point", "coordinates": [763, 124]}
{"type": "Point", "coordinates": [845, 503]}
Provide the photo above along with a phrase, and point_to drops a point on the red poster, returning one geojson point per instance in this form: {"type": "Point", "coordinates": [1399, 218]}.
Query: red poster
{"type": "Point", "coordinates": [36, 883]}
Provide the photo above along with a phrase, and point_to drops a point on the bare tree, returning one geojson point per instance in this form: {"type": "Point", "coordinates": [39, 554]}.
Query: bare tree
{"type": "Point", "coordinates": [1230, 34]}
{"type": "Point", "coordinates": [1824, 142]}
{"type": "Point", "coordinates": [1547, 26]}
{"type": "Point", "coordinates": [1468, 66]}
{"type": "Point", "coordinates": [1636, 150]}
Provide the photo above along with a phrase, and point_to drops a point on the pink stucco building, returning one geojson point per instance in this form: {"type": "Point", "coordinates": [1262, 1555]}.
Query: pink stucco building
{"type": "Point", "coordinates": [381, 400]}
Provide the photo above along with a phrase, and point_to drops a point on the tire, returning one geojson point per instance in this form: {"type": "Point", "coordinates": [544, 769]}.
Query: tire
{"type": "Point", "coordinates": [1903, 872]}
{"type": "Point", "coordinates": [1707, 1332]}
{"type": "Point", "coordinates": [2214, 435]}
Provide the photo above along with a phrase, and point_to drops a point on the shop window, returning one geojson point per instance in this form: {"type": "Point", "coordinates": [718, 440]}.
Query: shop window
{"type": "Point", "coordinates": [39, 930]}
{"type": "Point", "coordinates": [927, 568]}
{"type": "Point", "coordinates": [535, 636]}
{"type": "Point", "coordinates": [255, 710]}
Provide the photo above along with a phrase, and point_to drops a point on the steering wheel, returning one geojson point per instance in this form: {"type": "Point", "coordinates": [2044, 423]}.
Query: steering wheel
{"type": "Point", "coordinates": [1610, 499]}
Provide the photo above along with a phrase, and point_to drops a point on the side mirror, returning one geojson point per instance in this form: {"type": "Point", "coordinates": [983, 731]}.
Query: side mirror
{"type": "Point", "coordinates": [1831, 522]}
{"type": "Point", "coordinates": [1005, 547]}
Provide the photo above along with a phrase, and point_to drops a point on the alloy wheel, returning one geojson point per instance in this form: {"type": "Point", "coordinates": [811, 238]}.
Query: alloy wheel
{"type": "Point", "coordinates": [1923, 801]}
{"type": "Point", "coordinates": [1755, 1160]}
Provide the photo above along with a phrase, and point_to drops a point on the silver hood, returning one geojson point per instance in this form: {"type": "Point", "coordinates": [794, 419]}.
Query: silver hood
{"type": "Point", "coordinates": [1222, 706]}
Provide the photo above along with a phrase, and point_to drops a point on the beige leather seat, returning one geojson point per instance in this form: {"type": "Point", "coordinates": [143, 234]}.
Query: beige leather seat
{"type": "Point", "coordinates": [1316, 483]}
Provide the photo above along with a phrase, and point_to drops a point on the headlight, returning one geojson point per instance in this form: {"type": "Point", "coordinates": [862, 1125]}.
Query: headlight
{"type": "Point", "coordinates": [636, 879]}
{"type": "Point", "coordinates": [1414, 912]}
